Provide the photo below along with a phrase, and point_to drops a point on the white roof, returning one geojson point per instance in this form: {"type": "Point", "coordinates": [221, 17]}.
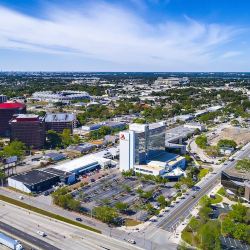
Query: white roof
{"type": "Point", "coordinates": [157, 163]}
{"type": "Point", "coordinates": [80, 163]}
{"type": "Point", "coordinates": [175, 172]}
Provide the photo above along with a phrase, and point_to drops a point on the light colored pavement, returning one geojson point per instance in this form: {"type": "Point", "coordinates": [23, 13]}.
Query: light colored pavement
{"type": "Point", "coordinates": [59, 234]}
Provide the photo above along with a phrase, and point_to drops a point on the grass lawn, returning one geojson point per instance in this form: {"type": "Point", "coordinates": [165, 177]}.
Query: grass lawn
{"type": "Point", "coordinates": [203, 173]}
{"type": "Point", "coordinates": [46, 213]}
{"type": "Point", "coordinates": [131, 223]}
{"type": "Point", "coordinates": [221, 191]}
{"type": "Point", "coordinates": [189, 238]}
{"type": "Point", "coordinates": [217, 199]}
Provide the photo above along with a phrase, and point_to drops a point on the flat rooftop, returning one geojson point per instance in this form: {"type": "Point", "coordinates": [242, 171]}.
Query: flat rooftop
{"type": "Point", "coordinates": [33, 177]}
{"type": "Point", "coordinates": [178, 132]}
{"type": "Point", "coordinates": [76, 164]}
{"type": "Point", "coordinates": [149, 167]}
{"type": "Point", "coordinates": [56, 172]}
{"type": "Point", "coordinates": [60, 117]}
{"type": "Point", "coordinates": [27, 116]}
{"type": "Point", "coordinates": [245, 175]}
{"type": "Point", "coordinates": [165, 157]}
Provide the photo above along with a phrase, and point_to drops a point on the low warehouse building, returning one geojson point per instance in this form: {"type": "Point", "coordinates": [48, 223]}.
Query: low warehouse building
{"type": "Point", "coordinates": [34, 181]}
{"type": "Point", "coordinates": [84, 164]}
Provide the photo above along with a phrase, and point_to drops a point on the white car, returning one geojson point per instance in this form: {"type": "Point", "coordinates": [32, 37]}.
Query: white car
{"type": "Point", "coordinates": [131, 241]}
{"type": "Point", "coordinates": [41, 233]}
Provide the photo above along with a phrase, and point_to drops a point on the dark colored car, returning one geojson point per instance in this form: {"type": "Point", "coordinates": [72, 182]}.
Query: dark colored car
{"type": "Point", "coordinates": [78, 219]}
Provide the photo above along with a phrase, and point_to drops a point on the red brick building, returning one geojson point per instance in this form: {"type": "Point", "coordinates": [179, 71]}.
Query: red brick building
{"type": "Point", "coordinates": [7, 110]}
{"type": "Point", "coordinates": [29, 129]}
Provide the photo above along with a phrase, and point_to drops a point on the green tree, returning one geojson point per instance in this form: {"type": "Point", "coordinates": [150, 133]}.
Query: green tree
{"type": "Point", "coordinates": [15, 148]}
{"type": "Point", "coordinates": [201, 141]}
{"type": "Point", "coordinates": [228, 226]}
{"type": "Point", "coordinates": [243, 164]}
{"type": "Point", "coordinates": [238, 213]}
{"type": "Point", "coordinates": [226, 143]}
{"type": "Point", "coordinates": [2, 177]}
{"type": "Point", "coordinates": [242, 232]}
{"type": "Point", "coordinates": [121, 206]}
{"type": "Point", "coordinates": [66, 138]}
{"type": "Point", "coordinates": [76, 139]}
{"type": "Point", "coordinates": [194, 225]}
{"type": "Point", "coordinates": [209, 236]}
{"type": "Point", "coordinates": [162, 201]}
{"type": "Point", "coordinates": [53, 139]}
{"type": "Point", "coordinates": [105, 214]}
{"type": "Point", "coordinates": [128, 173]}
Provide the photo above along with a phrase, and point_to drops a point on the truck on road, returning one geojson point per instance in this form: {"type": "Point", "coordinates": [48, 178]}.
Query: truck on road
{"type": "Point", "coordinates": [9, 242]}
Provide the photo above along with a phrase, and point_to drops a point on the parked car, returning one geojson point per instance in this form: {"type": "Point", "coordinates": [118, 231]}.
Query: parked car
{"type": "Point", "coordinates": [79, 219]}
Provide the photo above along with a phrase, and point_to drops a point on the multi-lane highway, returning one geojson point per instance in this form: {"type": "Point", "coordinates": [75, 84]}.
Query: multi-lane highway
{"type": "Point", "coordinates": [59, 235]}
{"type": "Point", "coordinates": [20, 234]}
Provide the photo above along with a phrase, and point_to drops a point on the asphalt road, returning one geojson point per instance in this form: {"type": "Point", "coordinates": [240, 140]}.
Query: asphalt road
{"type": "Point", "coordinates": [26, 237]}
{"type": "Point", "coordinates": [59, 235]}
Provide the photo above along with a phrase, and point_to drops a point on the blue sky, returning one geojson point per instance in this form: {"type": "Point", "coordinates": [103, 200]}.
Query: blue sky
{"type": "Point", "coordinates": [125, 35]}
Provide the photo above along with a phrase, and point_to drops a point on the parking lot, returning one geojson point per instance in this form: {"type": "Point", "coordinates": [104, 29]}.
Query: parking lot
{"type": "Point", "coordinates": [107, 187]}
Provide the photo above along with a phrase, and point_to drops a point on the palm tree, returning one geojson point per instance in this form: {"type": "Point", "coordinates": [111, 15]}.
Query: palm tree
{"type": "Point", "coordinates": [2, 177]}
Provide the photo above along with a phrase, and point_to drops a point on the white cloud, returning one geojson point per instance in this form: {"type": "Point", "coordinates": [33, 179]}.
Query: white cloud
{"type": "Point", "coordinates": [110, 33]}
{"type": "Point", "coordinates": [230, 54]}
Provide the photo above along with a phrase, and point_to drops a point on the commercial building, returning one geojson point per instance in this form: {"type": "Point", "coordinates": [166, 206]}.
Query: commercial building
{"type": "Point", "coordinates": [3, 98]}
{"type": "Point", "coordinates": [60, 121]}
{"type": "Point", "coordinates": [33, 181]}
{"type": "Point", "coordinates": [83, 164]}
{"type": "Point", "coordinates": [81, 148]}
{"type": "Point", "coordinates": [54, 156]}
{"type": "Point", "coordinates": [7, 110]}
{"type": "Point", "coordinates": [141, 143]}
{"type": "Point", "coordinates": [149, 170]}
{"type": "Point", "coordinates": [110, 124]}
{"type": "Point", "coordinates": [195, 125]}
{"type": "Point", "coordinates": [36, 181]}
{"type": "Point", "coordinates": [237, 181]}
{"type": "Point", "coordinates": [29, 129]}
{"type": "Point", "coordinates": [63, 96]}
{"type": "Point", "coordinates": [167, 165]}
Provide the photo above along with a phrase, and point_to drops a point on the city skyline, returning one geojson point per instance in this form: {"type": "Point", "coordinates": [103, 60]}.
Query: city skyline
{"type": "Point", "coordinates": [169, 35]}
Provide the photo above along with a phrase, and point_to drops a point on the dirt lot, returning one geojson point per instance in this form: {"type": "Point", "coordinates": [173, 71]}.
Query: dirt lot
{"type": "Point", "coordinates": [240, 135]}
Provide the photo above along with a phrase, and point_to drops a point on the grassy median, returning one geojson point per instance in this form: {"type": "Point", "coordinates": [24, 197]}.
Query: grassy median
{"type": "Point", "coordinates": [46, 213]}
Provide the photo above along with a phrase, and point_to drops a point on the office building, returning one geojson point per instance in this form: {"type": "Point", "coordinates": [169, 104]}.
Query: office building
{"type": "Point", "coordinates": [3, 98]}
{"type": "Point", "coordinates": [60, 121]}
{"type": "Point", "coordinates": [7, 110]}
{"type": "Point", "coordinates": [167, 165]}
{"type": "Point", "coordinates": [236, 182]}
{"type": "Point", "coordinates": [141, 143]}
{"type": "Point", "coordinates": [29, 129]}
